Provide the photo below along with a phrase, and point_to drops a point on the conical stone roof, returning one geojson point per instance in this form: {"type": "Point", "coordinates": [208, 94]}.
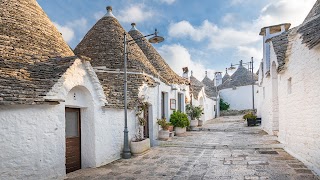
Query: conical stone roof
{"type": "Point", "coordinates": [315, 12]}
{"type": "Point", "coordinates": [309, 30]}
{"type": "Point", "coordinates": [195, 86]}
{"type": "Point", "coordinates": [226, 76]}
{"type": "Point", "coordinates": [209, 87]}
{"type": "Point", "coordinates": [164, 70]}
{"type": "Point", "coordinates": [207, 81]}
{"type": "Point", "coordinates": [103, 44]}
{"type": "Point", "coordinates": [33, 54]}
{"type": "Point", "coordinates": [26, 33]}
{"type": "Point", "coordinates": [242, 77]}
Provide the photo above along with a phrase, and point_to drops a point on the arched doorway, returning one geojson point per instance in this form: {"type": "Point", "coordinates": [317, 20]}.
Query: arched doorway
{"type": "Point", "coordinates": [79, 129]}
{"type": "Point", "coordinates": [275, 99]}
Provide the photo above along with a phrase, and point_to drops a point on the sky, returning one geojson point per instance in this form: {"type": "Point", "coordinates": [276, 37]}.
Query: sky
{"type": "Point", "coordinates": [204, 35]}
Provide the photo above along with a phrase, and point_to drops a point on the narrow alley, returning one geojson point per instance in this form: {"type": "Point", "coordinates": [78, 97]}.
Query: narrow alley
{"type": "Point", "coordinates": [224, 148]}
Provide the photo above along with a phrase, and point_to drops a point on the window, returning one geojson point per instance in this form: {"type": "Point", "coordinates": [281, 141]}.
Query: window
{"type": "Point", "coordinates": [180, 102]}
{"type": "Point", "coordinates": [289, 85]}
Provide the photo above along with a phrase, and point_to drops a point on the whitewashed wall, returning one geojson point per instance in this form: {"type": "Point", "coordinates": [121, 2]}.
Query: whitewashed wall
{"type": "Point", "coordinates": [32, 142]}
{"type": "Point", "coordinates": [153, 97]}
{"type": "Point", "coordinates": [239, 98]}
{"type": "Point", "coordinates": [299, 110]}
{"type": "Point", "coordinates": [208, 105]}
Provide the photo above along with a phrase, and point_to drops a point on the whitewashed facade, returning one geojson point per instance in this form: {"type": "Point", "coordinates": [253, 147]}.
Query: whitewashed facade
{"type": "Point", "coordinates": [33, 131]}
{"type": "Point", "coordinates": [290, 94]}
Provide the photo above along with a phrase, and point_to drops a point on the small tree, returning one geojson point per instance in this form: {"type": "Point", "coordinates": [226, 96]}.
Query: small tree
{"type": "Point", "coordinates": [224, 105]}
{"type": "Point", "coordinates": [194, 112]}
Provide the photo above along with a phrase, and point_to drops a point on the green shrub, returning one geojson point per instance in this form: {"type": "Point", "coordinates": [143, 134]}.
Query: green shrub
{"type": "Point", "coordinates": [179, 119]}
{"type": "Point", "coordinates": [194, 112]}
{"type": "Point", "coordinates": [224, 105]}
{"type": "Point", "coordinates": [249, 115]}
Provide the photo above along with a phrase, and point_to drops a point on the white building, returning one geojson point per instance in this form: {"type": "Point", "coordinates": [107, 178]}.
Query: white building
{"type": "Point", "coordinates": [237, 89]}
{"type": "Point", "coordinates": [204, 94]}
{"type": "Point", "coordinates": [60, 112]}
{"type": "Point", "coordinates": [290, 85]}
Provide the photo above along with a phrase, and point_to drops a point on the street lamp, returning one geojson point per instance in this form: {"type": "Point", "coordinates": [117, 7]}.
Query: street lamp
{"type": "Point", "coordinates": [250, 67]}
{"type": "Point", "coordinates": [154, 39]}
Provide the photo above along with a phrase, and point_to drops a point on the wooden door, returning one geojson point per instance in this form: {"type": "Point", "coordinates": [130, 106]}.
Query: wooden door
{"type": "Point", "coordinates": [73, 140]}
{"type": "Point", "coordinates": [146, 126]}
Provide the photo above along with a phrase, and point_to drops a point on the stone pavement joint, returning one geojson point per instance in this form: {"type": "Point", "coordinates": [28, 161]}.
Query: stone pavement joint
{"type": "Point", "coordinates": [229, 150]}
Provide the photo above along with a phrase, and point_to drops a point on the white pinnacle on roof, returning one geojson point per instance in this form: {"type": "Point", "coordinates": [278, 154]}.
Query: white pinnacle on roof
{"type": "Point", "coordinates": [134, 28]}
{"type": "Point", "coordinates": [109, 12]}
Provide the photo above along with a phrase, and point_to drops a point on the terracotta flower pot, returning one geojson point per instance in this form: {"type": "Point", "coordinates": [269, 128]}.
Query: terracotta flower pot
{"type": "Point", "coordinates": [170, 128]}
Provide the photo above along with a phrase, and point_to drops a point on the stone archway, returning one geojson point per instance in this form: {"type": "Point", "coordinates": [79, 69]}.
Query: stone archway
{"type": "Point", "coordinates": [80, 98]}
{"type": "Point", "coordinates": [275, 99]}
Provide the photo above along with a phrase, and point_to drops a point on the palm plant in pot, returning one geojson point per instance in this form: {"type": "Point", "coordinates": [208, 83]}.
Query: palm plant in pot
{"type": "Point", "coordinates": [180, 121]}
{"type": "Point", "coordinates": [164, 132]}
{"type": "Point", "coordinates": [194, 112]}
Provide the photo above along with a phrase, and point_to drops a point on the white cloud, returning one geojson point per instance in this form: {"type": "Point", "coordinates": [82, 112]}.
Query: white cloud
{"type": "Point", "coordinates": [228, 18]}
{"type": "Point", "coordinates": [219, 38]}
{"type": "Point", "coordinates": [243, 37]}
{"type": "Point", "coordinates": [235, 2]}
{"type": "Point", "coordinates": [178, 57]}
{"type": "Point", "coordinates": [168, 1]}
{"type": "Point", "coordinates": [80, 24]}
{"type": "Point", "coordinates": [67, 32]}
{"type": "Point", "coordinates": [184, 28]}
{"type": "Point", "coordinates": [135, 13]}
{"type": "Point", "coordinates": [284, 11]}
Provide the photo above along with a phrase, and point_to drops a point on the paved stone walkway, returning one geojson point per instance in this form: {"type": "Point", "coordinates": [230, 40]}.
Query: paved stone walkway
{"type": "Point", "coordinates": [224, 149]}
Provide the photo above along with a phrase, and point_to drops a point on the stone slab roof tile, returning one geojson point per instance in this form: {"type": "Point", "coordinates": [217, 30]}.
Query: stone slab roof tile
{"type": "Point", "coordinates": [33, 54]}
{"type": "Point", "coordinates": [27, 34]}
{"type": "Point", "coordinates": [210, 89]}
{"type": "Point", "coordinates": [25, 83]}
{"type": "Point", "coordinates": [103, 44]}
{"type": "Point", "coordinates": [164, 70]}
{"type": "Point", "coordinates": [195, 86]}
{"type": "Point", "coordinates": [242, 77]}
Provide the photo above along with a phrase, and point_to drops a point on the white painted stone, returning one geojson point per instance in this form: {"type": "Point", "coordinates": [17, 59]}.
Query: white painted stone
{"type": "Point", "coordinates": [299, 123]}
{"type": "Point", "coordinates": [240, 98]}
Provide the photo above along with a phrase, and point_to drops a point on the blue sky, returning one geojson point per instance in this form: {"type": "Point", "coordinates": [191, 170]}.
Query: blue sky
{"type": "Point", "coordinates": [206, 35]}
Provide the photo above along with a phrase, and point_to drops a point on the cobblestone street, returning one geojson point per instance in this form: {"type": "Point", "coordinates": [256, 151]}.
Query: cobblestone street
{"type": "Point", "coordinates": [224, 149]}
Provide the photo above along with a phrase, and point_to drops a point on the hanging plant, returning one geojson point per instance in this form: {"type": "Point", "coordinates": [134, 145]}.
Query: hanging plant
{"type": "Point", "coordinates": [140, 108]}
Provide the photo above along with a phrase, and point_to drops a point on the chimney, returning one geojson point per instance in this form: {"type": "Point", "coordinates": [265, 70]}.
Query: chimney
{"type": "Point", "coordinates": [267, 33]}
{"type": "Point", "coordinates": [217, 78]}
{"type": "Point", "coordinates": [185, 71]}
{"type": "Point", "coordinates": [109, 12]}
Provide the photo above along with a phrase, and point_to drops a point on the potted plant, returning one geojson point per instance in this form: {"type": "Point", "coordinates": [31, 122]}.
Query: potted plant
{"type": "Point", "coordinates": [194, 112]}
{"type": "Point", "coordinates": [139, 144]}
{"type": "Point", "coordinates": [251, 119]}
{"type": "Point", "coordinates": [164, 132]}
{"type": "Point", "coordinates": [180, 121]}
